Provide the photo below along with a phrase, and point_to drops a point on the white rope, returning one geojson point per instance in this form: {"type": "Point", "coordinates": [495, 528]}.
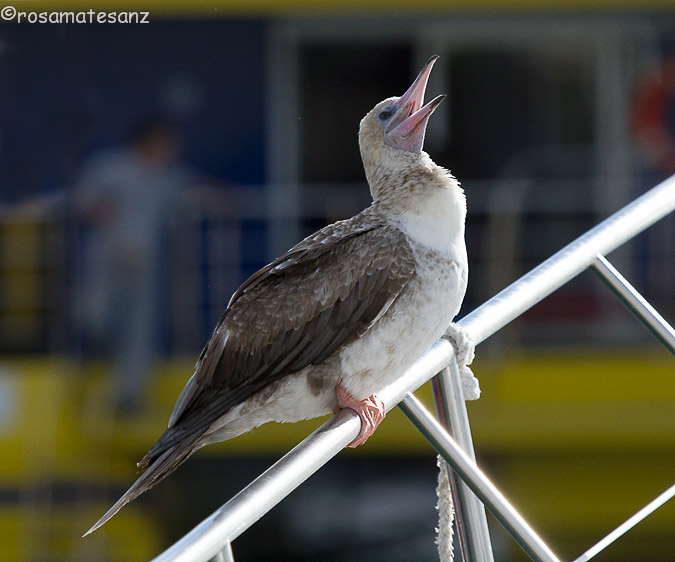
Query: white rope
{"type": "Point", "coordinates": [446, 513]}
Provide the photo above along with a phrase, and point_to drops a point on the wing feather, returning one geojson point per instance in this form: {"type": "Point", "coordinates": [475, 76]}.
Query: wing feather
{"type": "Point", "coordinates": [297, 311]}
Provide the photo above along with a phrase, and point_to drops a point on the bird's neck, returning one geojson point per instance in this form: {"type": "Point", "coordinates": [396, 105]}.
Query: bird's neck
{"type": "Point", "coordinates": [410, 181]}
{"type": "Point", "coordinates": [388, 174]}
{"type": "Point", "coordinates": [426, 201]}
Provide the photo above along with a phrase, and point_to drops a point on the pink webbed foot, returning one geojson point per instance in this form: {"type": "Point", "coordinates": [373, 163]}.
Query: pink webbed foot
{"type": "Point", "coordinates": [371, 411]}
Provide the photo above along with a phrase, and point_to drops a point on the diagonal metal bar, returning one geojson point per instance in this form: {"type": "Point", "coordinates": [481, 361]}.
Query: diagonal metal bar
{"type": "Point", "coordinates": [635, 302]}
{"type": "Point", "coordinates": [470, 517]}
{"type": "Point", "coordinates": [229, 521]}
{"type": "Point", "coordinates": [233, 518]}
{"type": "Point", "coordinates": [207, 539]}
{"type": "Point", "coordinates": [627, 525]}
{"type": "Point", "coordinates": [464, 466]}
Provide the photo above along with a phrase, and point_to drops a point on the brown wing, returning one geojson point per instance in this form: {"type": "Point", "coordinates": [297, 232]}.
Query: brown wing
{"type": "Point", "coordinates": [297, 311]}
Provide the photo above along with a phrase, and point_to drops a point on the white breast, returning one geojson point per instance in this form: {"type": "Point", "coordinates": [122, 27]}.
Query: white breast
{"type": "Point", "coordinates": [436, 222]}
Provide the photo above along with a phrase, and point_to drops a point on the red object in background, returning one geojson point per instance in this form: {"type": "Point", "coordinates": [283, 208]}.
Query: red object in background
{"type": "Point", "coordinates": [653, 123]}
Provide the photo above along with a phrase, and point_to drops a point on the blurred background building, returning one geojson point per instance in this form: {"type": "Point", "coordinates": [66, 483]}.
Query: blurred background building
{"type": "Point", "coordinates": [558, 113]}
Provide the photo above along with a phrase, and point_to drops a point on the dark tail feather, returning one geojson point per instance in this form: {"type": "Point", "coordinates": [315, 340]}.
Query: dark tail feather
{"type": "Point", "coordinates": [155, 470]}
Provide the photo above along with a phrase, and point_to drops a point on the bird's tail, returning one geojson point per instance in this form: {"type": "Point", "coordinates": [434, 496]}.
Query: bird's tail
{"type": "Point", "coordinates": [155, 469]}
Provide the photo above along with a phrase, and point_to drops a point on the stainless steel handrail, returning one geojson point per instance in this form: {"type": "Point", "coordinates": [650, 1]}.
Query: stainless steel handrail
{"type": "Point", "coordinates": [228, 522]}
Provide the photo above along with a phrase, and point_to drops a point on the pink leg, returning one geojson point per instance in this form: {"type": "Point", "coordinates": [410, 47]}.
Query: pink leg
{"type": "Point", "coordinates": [371, 411]}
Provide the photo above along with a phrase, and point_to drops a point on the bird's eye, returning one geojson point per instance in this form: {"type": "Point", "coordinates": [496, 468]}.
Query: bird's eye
{"type": "Point", "coordinates": [384, 115]}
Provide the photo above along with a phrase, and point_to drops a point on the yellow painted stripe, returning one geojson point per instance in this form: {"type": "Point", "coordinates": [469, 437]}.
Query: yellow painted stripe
{"type": "Point", "coordinates": [547, 401]}
{"type": "Point", "coordinates": [578, 441]}
{"type": "Point", "coordinates": [29, 533]}
{"type": "Point", "coordinates": [541, 403]}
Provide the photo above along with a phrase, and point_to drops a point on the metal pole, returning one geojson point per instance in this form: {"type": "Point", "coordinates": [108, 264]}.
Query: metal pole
{"type": "Point", "coordinates": [228, 522]}
{"type": "Point", "coordinates": [635, 302]}
{"type": "Point", "coordinates": [472, 525]}
{"type": "Point", "coordinates": [493, 499]}
{"type": "Point", "coordinates": [627, 525]}
{"type": "Point", "coordinates": [570, 261]}
{"type": "Point", "coordinates": [206, 540]}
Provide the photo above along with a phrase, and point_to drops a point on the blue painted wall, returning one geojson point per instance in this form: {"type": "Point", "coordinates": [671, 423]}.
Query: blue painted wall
{"type": "Point", "coordinates": [66, 90]}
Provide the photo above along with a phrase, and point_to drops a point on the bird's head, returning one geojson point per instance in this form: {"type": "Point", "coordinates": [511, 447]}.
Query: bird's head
{"type": "Point", "coordinates": [393, 131]}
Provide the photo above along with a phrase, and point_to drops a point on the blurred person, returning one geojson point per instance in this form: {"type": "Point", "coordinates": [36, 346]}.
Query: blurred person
{"type": "Point", "coordinates": [123, 197]}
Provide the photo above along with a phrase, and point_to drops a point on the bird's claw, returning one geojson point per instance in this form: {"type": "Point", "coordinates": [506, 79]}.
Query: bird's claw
{"type": "Point", "coordinates": [371, 411]}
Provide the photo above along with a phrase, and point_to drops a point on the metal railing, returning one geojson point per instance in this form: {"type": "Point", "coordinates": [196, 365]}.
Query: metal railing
{"type": "Point", "coordinates": [213, 536]}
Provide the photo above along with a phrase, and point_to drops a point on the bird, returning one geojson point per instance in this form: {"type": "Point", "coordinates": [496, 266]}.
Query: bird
{"type": "Point", "coordinates": [342, 313]}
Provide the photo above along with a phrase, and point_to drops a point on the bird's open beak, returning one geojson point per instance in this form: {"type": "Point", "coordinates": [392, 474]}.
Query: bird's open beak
{"type": "Point", "coordinates": [406, 130]}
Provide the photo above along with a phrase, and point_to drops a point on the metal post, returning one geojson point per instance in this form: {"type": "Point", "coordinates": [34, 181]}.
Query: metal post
{"type": "Point", "coordinates": [224, 555]}
{"type": "Point", "coordinates": [472, 525]}
{"type": "Point", "coordinates": [635, 302]}
{"type": "Point", "coordinates": [493, 499]}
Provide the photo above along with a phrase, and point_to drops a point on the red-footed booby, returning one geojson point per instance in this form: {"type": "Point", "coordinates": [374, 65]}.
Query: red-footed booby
{"type": "Point", "coordinates": [339, 315]}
